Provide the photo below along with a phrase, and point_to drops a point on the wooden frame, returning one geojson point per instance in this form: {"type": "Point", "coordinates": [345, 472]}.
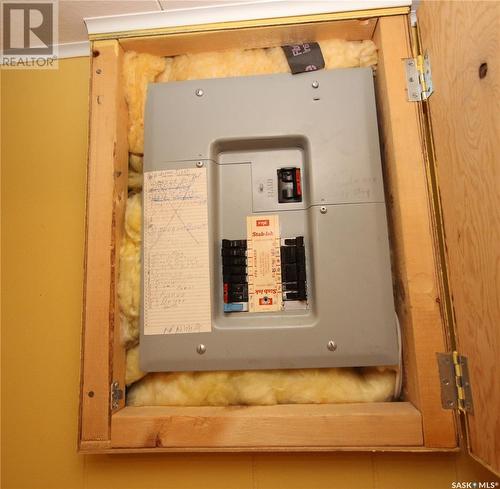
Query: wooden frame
{"type": "Point", "coordinates": [418, 423]}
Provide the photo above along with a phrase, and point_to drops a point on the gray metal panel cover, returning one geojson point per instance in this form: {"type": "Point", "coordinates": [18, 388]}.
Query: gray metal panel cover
{"type": "Point", "coordinates": [243, 129]}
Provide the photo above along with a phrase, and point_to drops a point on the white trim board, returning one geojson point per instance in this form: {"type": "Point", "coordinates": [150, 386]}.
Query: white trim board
{"type": "Point", "coordinates": [207, 14]}
{"type": "Point", "coordinates": [74, 49]}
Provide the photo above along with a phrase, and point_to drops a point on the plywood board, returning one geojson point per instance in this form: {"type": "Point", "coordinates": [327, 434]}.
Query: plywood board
{"type": "Point", "coordinates": [463, 39]}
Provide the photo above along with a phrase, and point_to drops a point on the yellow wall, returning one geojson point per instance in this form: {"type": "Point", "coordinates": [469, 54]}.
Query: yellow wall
{"type": "Point", "coordinates": [44, 138]}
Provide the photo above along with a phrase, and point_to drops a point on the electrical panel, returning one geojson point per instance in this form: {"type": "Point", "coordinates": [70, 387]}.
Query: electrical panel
{"type": "Point", "coordinates": [265, 232]}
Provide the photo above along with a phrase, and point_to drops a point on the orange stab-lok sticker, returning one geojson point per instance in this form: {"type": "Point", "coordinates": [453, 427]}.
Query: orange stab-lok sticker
{"type": "Point", "coordinates": [264, 264]}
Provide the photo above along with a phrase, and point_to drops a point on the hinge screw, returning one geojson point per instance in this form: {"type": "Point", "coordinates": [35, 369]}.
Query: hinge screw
{"type": "Point", "coordinates": [201, 349]}
{"type": "Point", "coordinates": [331, 345]}
{"type": "Point", "coordinates": [315, 84]}
{"type": "Point", "coordinates": [199, 92]}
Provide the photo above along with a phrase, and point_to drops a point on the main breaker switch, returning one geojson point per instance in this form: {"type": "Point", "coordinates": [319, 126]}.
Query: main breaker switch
{"type": "Point", "coordinates": [289, 185]}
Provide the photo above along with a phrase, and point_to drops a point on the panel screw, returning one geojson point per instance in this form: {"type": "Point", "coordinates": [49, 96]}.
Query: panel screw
{"type": "Point", "coordinates": [315, 84]}
{"type": "Point", "coordinates": [323, 209]}
{"type": "Point", "coordinates": [199, 164]}
{"type": "Point", "coordinates": [201, 349]}
{"type": "Point", "coordinates": [331, 345]}
{"type": "Point", "coordinates": [199, 92]}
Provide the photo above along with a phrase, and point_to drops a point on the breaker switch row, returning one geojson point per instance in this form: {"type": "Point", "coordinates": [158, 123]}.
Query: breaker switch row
{"type": "Point", "coordinates": [293, 269]}
{"type": "Point", "coordinates": [234, 274]}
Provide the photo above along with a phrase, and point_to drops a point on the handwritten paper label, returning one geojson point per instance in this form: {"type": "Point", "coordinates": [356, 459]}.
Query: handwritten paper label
{"type": "Point", "coordinates": [176, 254]}
{"type": "Point", "coordinates": [264, 264]}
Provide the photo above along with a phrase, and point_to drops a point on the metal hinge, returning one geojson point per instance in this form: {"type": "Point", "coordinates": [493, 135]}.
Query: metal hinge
{"type": "Point", "coordinates": [116, 395]}
{"type": "Point", "coordinates": [418, 78]}
{"type": "Point", "coordinates": [455, 385]}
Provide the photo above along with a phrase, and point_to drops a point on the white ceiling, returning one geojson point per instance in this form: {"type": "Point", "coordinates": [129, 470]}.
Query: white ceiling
{"type": "Point", "coordinates": [72, 12]}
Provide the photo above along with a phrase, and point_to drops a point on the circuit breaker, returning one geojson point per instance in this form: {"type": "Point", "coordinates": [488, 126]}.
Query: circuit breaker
{"type": "Point", "coordinates": [265, 239]}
